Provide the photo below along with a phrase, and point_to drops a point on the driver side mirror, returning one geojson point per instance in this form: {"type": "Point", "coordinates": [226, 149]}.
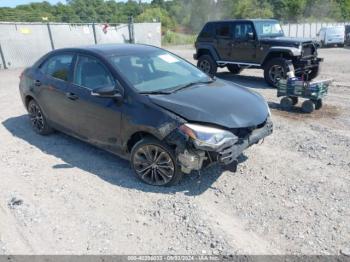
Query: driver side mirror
{"type": "Point", "coordinates": [250, 36]}
{"type": "Point", "coordinates": [108, 91]}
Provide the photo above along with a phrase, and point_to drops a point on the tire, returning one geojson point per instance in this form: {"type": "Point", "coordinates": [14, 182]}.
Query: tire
{"type": "Point", "coordinates": [318, 104]}
{"type": "Point", "coordinates": [308, 106]}
{"type": "Point", "coordinates": [38, 119]}
{"type": "Point", "coordinates": [294, 100]}
{"type": "Point", "coordinates": [146, 156]}
{"type": "Point", "coordinates": [274, 69]}
{"type": "Point", "coordinates": [234, 69]}
{"type": "Point", "coordinates": [207, 64]}
{"type": "Point", "coordinates": [286, 103]}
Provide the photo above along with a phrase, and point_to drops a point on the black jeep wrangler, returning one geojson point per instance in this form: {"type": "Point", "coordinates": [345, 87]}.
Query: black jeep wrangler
{"type": "Point", "coordinates": [256, 43]}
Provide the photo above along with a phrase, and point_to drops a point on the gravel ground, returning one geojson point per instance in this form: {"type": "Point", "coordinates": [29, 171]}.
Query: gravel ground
{"type": "Point", "coordinates": [290, 194]}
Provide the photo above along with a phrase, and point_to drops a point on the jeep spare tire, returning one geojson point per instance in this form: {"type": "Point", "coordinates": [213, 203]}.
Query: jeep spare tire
{"type": "Point", "coordinates": [275, 69]}
{"type": "Point", "coordinates": [207, 64]}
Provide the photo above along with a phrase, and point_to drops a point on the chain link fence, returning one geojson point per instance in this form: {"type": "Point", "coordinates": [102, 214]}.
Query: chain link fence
{"type": "Point", "coordinates": [21, 44]}
{"type": "Point", "coordinates": [307, 30]}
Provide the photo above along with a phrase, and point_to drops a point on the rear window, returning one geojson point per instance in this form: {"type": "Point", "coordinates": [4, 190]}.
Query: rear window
{"type": "Point", "coordinates": [223, 29]}
{"type": "Point", "coordinates": [207, 31]}
{"type": "Point", "coordinates": [58, 66]}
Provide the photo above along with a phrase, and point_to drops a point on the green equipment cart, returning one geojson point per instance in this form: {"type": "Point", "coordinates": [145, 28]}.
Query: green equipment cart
{"type": "Point", "coordinates": [291, 89]}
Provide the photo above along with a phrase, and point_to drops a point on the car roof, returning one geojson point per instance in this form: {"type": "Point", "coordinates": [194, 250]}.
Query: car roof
{"type": "Point", "coordinates": [112, 49]}
{"type": "Point", "coordinates": [244, 20]}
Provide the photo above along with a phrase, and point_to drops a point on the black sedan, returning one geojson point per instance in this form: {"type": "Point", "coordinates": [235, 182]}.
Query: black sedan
{"type": "Point", "coordinates": [146, 105]}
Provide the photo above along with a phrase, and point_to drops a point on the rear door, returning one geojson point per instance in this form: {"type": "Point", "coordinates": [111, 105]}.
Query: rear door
{"type": "Point", "coordinates": [243, 48]}
{"type": "Point", "coordinates": [223, 40]}
{"type": "Point", "coordinates": [97, 119]}
{"type": "Point", "coordinates": [53, 79]}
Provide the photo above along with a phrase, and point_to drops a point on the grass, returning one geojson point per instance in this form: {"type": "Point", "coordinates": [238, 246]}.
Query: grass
{"type": "Point", "coordinates": [173, 38]}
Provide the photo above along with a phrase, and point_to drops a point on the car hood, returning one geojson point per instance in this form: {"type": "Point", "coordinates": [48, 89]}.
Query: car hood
{"type": "Point", "coordinates": [220, 103]}
{"type": "Point", "coordinates": [286, 41]}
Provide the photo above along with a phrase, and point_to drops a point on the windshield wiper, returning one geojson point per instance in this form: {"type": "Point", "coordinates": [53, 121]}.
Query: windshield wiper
{"type": "Point", "coordinates": [156, 92]}
{"type": "Point", "coordinates": [180, 87]}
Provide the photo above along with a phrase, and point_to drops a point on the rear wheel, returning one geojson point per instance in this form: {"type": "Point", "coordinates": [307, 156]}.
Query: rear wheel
{"type": "Point", "coordinates": [207, 64]}
{"type": "Point", "coordinates": [308, 106]}
{"type": "Point", "coordinates": [274, 70]}
{"type": "Point", "coordinates": [286, 103]}
{"type": "Point", "coordinates": [37, 119]}
{"type": "Point", "coordinates": [155, 163]}
{"type": "Point", "coordinates": [318, 104]}
{"type": "Point", "coordinates": [234, 69]}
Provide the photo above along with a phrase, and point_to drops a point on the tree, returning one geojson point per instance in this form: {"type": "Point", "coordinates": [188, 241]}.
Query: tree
{"type": "Point", "coordinates": [157, 14]}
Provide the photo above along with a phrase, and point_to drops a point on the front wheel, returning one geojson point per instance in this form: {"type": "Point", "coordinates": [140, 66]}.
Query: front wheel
{"type": "Point", "coordinates": [155, 163]}
{"type": "Point", "coordinates": [37, 119]}
{"type": "Point", "coordinates": [207, 64]}
{"type": "Point", "coordinates": [274, 70]}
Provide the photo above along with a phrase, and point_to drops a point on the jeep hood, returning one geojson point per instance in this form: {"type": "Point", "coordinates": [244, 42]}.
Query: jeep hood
{"type": "Point", "coordinates": [286, 41]}
{"type": "Point", "coordinates": [220, 103]}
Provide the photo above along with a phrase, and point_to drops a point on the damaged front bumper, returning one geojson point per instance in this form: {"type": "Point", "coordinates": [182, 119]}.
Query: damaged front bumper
{"type": "Point", "coordinates": [195, 157]}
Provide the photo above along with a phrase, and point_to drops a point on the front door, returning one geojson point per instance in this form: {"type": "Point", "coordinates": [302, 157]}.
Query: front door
{"type": "Point", "coordinates": [98, 119]}
{"type": "Point", "coordinates": [243, 46]}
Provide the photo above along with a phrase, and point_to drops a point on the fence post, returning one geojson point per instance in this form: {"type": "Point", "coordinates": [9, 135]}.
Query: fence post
{"type": "Point", "coordinates": [3, 58]}
{"type": "Point", "coordinates": [289, 29]}
{"type": "Point", "coordinates": [50, 36]}
{"type": "Point", "coordinates": [131, 30]}
{"type": "Point", "coordinates": [94, 31]}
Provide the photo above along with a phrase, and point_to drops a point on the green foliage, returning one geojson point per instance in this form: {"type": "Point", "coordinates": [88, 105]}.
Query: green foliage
{"type": "Point", "coordinates": [172, 38]}
{"type": "Point", "coordinates": [178, 15]}
{"type": "Point", "coordinates": [157, 14]}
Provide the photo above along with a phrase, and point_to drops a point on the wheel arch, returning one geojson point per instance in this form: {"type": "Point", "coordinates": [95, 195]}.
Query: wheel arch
{"type": "Point", "coordinates": [138, 136]}
{"type": "Point", "coordinates": [207, 50]}
{"type": "Point", "coordinates": [27, 99]}
{"type": "Point", "coordinates": [275, 54]}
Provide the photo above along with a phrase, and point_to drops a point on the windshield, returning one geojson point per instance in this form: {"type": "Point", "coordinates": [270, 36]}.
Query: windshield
{"type": "Point", "coordinates": [157, 71]}
{"type": "Point", "coordinates": [336, 31]}
{"type": "Point", "coordinates": [268, 28]}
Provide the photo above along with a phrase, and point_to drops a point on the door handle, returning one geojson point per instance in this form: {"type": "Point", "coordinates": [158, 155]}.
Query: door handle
{"type": "Point", "coordinates": [37, 83]}
{"type": "Point", "coordinates": [71, 96]}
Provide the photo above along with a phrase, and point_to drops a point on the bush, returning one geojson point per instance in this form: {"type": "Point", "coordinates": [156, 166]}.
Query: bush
{"type": "Point", "coordinates": [172, 38]}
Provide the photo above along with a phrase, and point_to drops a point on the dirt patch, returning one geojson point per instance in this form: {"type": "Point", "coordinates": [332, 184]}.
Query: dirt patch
{"type": "Point", "coordinates": [295, 113]}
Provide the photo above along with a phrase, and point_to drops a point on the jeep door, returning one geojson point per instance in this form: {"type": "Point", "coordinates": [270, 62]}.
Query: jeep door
{"type": "Point", "coordinates": [244, 42]}
{"type": "Point", "coordinates": [223, 40]}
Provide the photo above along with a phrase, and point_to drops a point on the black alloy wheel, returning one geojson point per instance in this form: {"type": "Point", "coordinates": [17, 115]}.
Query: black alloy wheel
{"type": "Point", "coordinates": [37, 119]}
{"type": "Point", "coordinates": [154, 163]}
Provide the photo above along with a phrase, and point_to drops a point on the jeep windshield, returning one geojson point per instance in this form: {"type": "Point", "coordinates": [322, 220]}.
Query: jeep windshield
{"type": "Point", "coordinates": [158, 72]}
{"type": "Point", "coordinates": [268, 29]}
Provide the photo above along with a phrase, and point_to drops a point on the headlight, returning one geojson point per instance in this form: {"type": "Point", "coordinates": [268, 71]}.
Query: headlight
{"type": "Point", "coordinates": [208, 138]}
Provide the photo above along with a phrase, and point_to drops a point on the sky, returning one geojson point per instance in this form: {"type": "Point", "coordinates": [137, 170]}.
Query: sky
{"type": "Point", "coordinates": [13, 3]}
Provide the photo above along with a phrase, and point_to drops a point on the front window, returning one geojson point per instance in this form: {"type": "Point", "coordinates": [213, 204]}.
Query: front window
{"type": "Point", "coordinates": [268, 29]}
{"type": "Point", "coordinates": [91, 73]}
{"type": "Point", "coordinates": [157, 71]}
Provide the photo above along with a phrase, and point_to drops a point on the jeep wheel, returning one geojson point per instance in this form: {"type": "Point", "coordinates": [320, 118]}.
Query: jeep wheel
{"type": "Point", "coordinates": [207, 64]}
{"type": "Point", "coordinates": [234, 69]}
{"type": "Point", "coordinates": [275, 69]}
